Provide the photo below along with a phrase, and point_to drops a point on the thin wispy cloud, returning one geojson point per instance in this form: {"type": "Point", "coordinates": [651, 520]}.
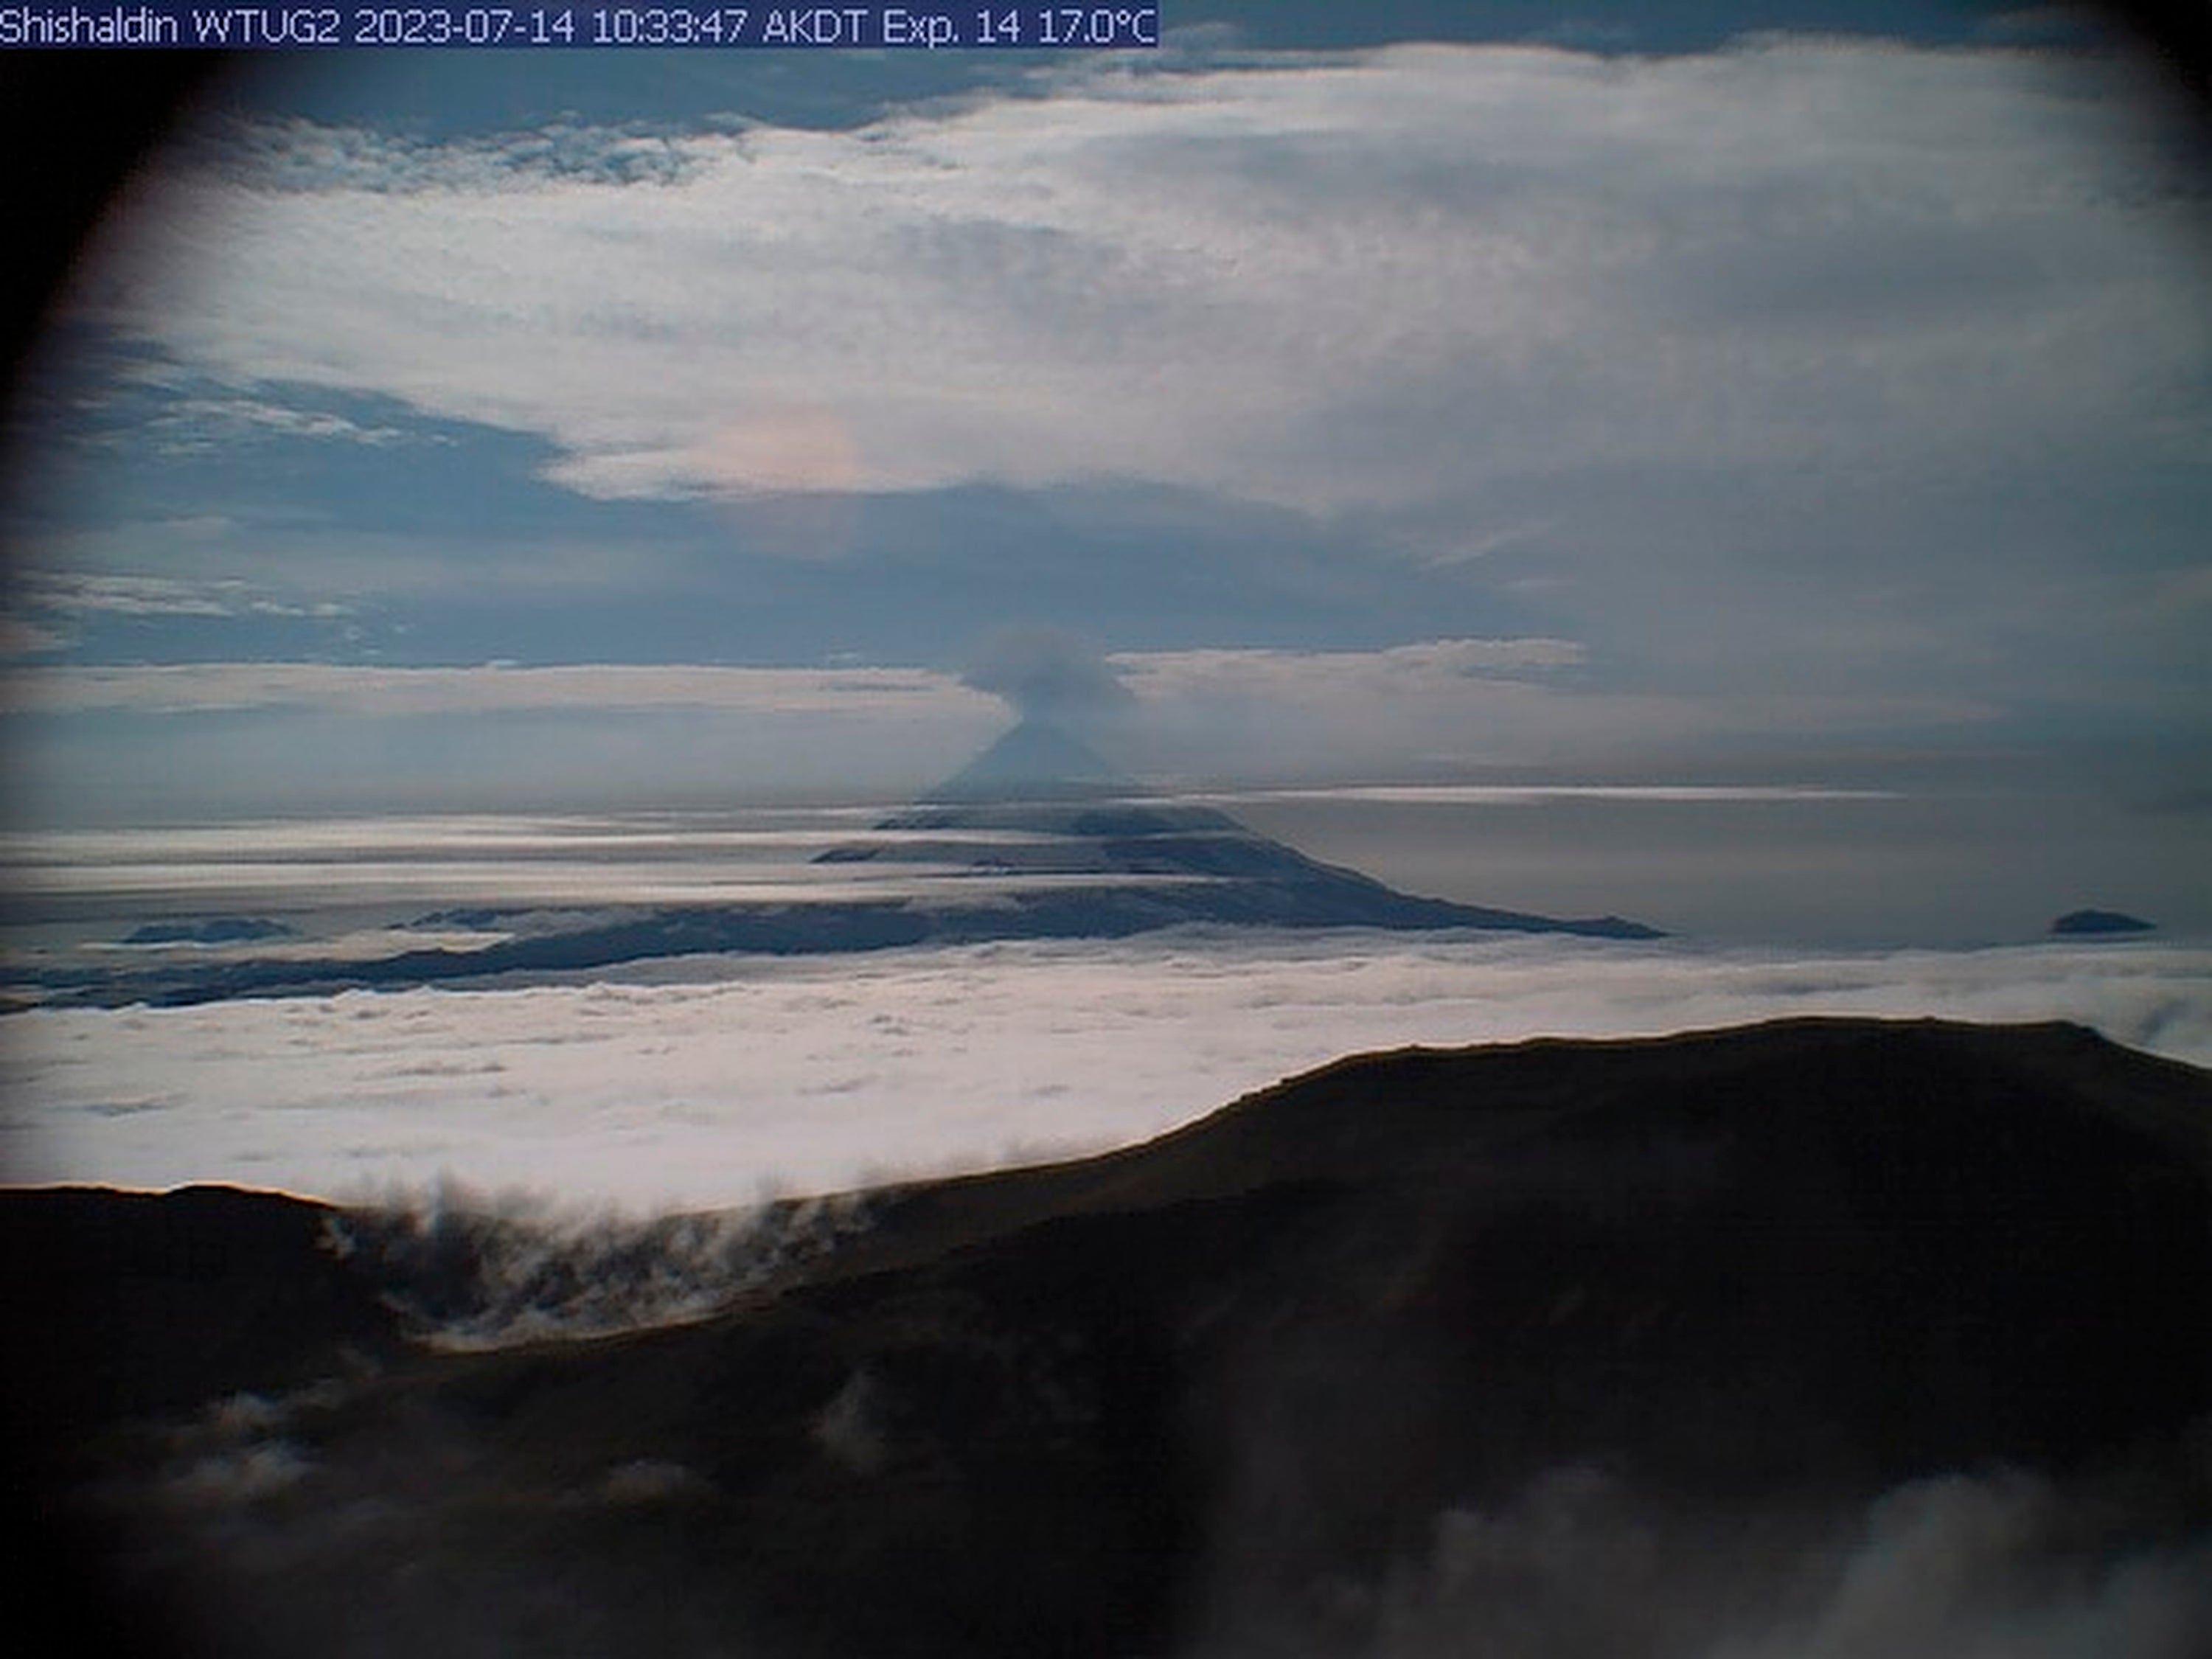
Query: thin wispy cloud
{"type": "Point", "coordinates": [1247, 718]}
{"type": "Point", "coordinates": [1018, 669]}
{"type": "Point", "coordinates": [1985, 1563]}
{"type": "Point", "coordinates": [1445, 703]}
{"type": "Point", "coordinates": [194, 424]}
{"type": "Point", "coordinates": [367, 691]}
{"type": "Point", "coordinates": [1518, 794]}
{"type": "Point", "coordinates": [1426, 658]}
{"type": "Point", "coordinates": [83, 594]}
{"type": "Point", "coordinates": [20, 638]}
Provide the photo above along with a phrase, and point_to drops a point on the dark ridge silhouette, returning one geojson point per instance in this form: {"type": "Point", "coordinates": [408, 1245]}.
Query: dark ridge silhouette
{"type": "Point", "coordinates": [2101, 922]}
{"type": "Point", "coordinates": [1231, 1391]}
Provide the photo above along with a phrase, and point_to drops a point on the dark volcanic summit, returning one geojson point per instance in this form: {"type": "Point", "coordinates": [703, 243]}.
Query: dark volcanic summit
{"type": "Point", "coordinates": [1828, 1337]}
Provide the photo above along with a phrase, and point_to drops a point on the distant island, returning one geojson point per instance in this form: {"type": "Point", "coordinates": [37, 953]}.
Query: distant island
{"type": "Point", "coordinates": [2075, 922]}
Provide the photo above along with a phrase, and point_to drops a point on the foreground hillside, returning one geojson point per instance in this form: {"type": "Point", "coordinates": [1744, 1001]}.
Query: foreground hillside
{"type": "Point", "coordinates": [1830, 1337]}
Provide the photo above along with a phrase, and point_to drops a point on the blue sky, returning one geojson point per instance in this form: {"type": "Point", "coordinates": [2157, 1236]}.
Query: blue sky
{"type": "Point", "coordinates": [1418, 392]}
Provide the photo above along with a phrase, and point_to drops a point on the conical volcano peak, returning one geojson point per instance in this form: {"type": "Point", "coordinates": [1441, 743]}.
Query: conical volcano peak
{"type": "Point", "coordinates": [1042, 803]}
{"type": "Point", "coordinates": [1038, 761]}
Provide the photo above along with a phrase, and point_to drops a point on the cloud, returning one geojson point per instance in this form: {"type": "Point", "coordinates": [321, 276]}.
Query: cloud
{"type": "Point", "coordinates": [1990, 1562]}
{"type": "Point", "coordinates": [19, 638]}
{"type": "Point", "coordinates": [653, 1481]}
{"type": "Point", "coordinates": [471, 1270]}
{"type": "Point", "coordinates": [244, 1475]}
{"type": "Point", "coordinates": [79, 594]}
{"type": "Point", "coordinates": [235, 1453]}
{"type": "Point", "coordinates": [197, 425]}
{"type": "Point", "coordinates": [1373, 281]}
{"type": "Point", "coordinates": [177, 688]}
{"type": "Point", "coordinates": [1046, 674]}
{"type": "Point", "coordinates": [1537, 794]}
{"type": "Point", "coordinates": [696, 1083]}
{"type": "Point", "coordinates": [302, 156]}
{"type": "Point", "coordinates": [238, 738]}
{"type": "Point", "coordinates": [2010, 1565]}
{"type": "Point", "coordinates": [1437, 704]}
{"type": "Point", "coordinates": [1036, 670]}
{"type": "Point", "coordinates": [1867, 371]}
{"type": "Point", "coordinates": [849, 1430]}
{"type": "Point", "coordinates": [225, 740]}
{"type": "Point", "coordinates": [1168, 670]}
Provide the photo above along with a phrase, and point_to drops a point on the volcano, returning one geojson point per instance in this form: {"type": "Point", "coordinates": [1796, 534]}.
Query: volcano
{"type": "Point", "coordinates": [1038, 837]}
{"type": "Point", "coordinates": [1040, 802]}
{"type": "Point", "coordinates": [1036, 761]}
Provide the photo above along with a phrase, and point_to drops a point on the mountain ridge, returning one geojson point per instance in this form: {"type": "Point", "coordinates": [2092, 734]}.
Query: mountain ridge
{"type": "Point", "coordinates": [1719, 1295]}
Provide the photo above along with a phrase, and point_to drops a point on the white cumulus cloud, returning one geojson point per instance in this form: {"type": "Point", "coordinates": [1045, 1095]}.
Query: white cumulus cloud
{"type": "Point", "coordinates": [1375, 281]}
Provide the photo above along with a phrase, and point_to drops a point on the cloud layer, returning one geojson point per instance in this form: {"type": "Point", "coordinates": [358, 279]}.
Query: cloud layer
{"type": "Point", "coordinates": [204, 688]}
{"type": "Point", "coordinates": [227, 739]}
{"type": "Point", "coordinates": [1375, 282]}
{"type": "Point", "coordinates": [708, 1082]}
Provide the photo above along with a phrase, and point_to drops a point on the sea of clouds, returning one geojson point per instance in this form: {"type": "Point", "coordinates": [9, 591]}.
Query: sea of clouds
{"type": "Point", "coordinates": [717, 1081]}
